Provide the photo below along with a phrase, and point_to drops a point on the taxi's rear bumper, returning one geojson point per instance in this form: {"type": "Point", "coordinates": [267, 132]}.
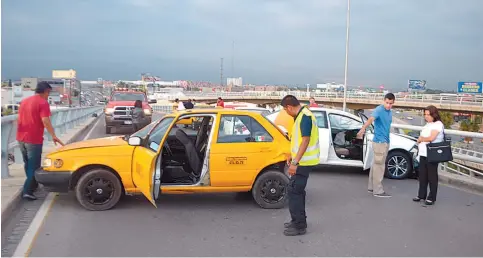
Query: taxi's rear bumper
{"type": "Point", "coordinates": [58, 181]}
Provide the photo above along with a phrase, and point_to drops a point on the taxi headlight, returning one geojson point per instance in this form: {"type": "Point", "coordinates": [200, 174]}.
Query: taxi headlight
{"type": "Point", "coordinates": [47, 163]}
{"type": "Point", "coordinates": [147, 111]}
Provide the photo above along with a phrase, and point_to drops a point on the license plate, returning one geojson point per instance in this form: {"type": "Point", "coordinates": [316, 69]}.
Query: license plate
{"type": "Point", "coordinates": [127, 122]}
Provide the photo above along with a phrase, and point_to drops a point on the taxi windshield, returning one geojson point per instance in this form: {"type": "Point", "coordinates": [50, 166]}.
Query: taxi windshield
{"type": "Point", "coordinates": [128, 97]}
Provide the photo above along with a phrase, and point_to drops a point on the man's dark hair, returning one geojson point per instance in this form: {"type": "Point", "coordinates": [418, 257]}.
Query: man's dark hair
{"type": "Point", "coordinates": [42, 87]}
{"type": "Point", "coordinates": [390, 96]}
{"type": "Point", "coordinates": [176, 100]}
{"type": "Point", "coordinates": [290, 100]}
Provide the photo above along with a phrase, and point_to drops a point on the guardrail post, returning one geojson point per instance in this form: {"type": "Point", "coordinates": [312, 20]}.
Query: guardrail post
{"type": "Point", "coordinates": [6, 131]}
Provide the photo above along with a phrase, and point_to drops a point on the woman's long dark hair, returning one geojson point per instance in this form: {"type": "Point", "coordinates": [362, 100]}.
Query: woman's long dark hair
{"type": "Point", "coordinates": [138, 104]}
{"type": "Point", "coordinates": [433, 112]}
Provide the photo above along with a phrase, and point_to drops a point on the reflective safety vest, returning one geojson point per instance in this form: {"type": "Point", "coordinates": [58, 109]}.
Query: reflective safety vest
{"type": "Point", "coordinates": [311, 155]}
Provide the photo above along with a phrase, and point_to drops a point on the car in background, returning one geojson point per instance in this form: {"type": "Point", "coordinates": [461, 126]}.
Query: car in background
{"type": "Point", "coordinates": [118, 110]}
{"type": "Point", "coordinates": [339, 145]}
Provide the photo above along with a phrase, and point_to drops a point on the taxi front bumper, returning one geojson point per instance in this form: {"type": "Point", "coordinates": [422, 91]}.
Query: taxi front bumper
{"type": "Point", "coordinates": [58, 181]}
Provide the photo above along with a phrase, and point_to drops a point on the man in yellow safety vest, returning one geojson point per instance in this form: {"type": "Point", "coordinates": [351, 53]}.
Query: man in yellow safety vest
{"type": "Point", "coordinates": [304, 155]}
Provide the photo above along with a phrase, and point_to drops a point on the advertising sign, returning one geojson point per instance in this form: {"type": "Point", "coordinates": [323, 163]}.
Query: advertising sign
{"type": "Point", "coordinates": [417, 84]}
{"type": "Point", "coordinates": [470, 87]}
{"type": "Point", "coordinates": [64, 74]}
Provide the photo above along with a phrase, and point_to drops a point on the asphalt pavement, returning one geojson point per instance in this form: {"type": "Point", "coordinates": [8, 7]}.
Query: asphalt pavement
{"type": "Point", "coordinates": [343, 220]}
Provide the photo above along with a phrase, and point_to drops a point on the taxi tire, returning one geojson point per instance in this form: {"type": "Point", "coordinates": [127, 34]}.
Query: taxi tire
{"type": "Point", "coordinates": [98, 172]}
{"type": "Point", "coordinates": [270, 175]}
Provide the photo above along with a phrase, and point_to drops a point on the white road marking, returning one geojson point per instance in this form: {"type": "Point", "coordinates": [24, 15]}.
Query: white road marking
{"type": "Point", "coordinates": [88, 135]}
{"type": "Point", "coordinates": [24, 247]}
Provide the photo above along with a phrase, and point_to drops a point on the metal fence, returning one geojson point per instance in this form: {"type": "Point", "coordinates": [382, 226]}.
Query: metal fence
{"type": "Point", "coordinates": [425, 98]}
{"type": "Point", "coordinates": [458, 153]}
{"type": "Point", "coordinates": [62, 120]}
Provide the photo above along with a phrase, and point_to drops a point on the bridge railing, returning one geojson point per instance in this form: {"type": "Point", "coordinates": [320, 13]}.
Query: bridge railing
{"type": "Point", "coordinates": [62, 120]}
{"type": "Point", "coordinates": [430, 98]}
{"type": "Point", "coordinates": [458, 153]}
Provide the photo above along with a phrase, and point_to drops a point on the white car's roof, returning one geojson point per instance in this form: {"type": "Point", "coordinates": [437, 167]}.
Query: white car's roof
{"type": "Point", "coordinates": [334, 111]}
{"type": "Point", "coordinates": [250, 108]}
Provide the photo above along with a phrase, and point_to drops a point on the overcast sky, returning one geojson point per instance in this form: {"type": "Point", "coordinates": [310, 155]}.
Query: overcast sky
{"type": "Point", "coordinates": [276, 42]}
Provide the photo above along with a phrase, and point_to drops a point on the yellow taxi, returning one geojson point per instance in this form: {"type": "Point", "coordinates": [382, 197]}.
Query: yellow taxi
{"type": "Point", "coordinates": [232, 151]}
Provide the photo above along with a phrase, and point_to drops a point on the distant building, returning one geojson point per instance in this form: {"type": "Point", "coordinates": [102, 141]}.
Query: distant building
{"type": "Point", "coordinates": [234, 81]}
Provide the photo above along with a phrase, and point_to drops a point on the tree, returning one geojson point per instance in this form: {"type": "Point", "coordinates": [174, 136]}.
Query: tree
{"type": "Point", "coordinates": [469, 126]}
{"type": "Point", "coordinates": [447, 119]}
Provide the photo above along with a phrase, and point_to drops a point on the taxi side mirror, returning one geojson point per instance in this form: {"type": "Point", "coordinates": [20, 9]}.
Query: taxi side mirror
{"type": "Point", "coordinates": [134, 141]}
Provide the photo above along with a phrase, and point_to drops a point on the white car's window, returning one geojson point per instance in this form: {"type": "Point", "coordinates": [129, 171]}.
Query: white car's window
{"type": "Point", "coordinates": [321, 118]}
{"type": "Point", "coordinates": [241, 129]}
{"type": "Point", "coordinates": [344, 122]}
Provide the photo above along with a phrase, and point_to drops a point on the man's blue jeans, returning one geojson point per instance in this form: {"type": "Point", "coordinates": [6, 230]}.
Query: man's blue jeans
{"type": "Point", "coordinates": [32, 155]}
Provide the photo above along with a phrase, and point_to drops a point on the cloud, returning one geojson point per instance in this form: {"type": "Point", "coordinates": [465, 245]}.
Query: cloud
{"type": "Point", "coordinates": [276, 41]}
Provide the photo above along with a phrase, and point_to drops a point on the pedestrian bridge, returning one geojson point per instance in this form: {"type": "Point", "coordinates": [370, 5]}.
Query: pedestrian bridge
{"type": "Point", "coordinates": [355, 101]}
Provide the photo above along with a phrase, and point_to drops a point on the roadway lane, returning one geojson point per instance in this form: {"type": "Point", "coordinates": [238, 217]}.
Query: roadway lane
{"type": "Point", "coordinates": [344, 220]}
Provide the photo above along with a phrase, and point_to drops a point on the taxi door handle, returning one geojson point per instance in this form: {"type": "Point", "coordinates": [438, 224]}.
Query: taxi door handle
{"type": "Point", "coordinates": [265, 149]}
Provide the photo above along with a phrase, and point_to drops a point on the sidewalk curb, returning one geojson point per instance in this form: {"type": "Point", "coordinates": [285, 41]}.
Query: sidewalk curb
{"type": "Point", "coordinates": [460, 181]}
{"type": "Point", "coordinates": [16, 198]}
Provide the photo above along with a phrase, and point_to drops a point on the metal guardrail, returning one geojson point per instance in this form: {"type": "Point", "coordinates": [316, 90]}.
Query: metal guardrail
{"type": "Point", "coordinates": [163, 108]}
{"type": "Point", "coordinates": [424, 98]}
{"type": "Point", "coordinates": [458, 153]}
{"type": "Point", "coordinates": [62, 120]}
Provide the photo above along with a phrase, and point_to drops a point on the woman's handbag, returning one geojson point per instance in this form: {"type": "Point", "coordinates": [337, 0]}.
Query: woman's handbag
{"type": "Point", "coordinates": [440, 152]}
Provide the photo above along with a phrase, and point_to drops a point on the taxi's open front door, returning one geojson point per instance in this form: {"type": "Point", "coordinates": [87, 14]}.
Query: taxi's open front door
{"type": "Point", "coordinates": [147, 173]}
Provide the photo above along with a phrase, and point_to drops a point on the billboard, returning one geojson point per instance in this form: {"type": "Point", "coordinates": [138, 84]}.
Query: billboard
{"type": "Point", "coordinates": [417, 84]}
{"type": "Point", "coordinates": [470, 87]}
{"type": "Point", "coordinates": [64, 74]}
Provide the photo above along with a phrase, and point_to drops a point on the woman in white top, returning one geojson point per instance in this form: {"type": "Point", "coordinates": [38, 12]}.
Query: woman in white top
{"type": "Point", "coordinates": [433, 132]}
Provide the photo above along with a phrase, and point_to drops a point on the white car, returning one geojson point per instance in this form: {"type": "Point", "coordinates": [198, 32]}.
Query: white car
{"type": "Point", "coordinates": [263, 111]}
{"type": "Point", "coordinates": [340, 147]}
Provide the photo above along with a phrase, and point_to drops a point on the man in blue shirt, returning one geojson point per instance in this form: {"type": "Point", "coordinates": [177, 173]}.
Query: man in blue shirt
{"type": "Point", "coordinates": [382, 118]}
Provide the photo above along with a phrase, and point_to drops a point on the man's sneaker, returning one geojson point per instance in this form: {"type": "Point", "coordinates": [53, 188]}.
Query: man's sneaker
{"type": "Point", "coordinates": [291, 224]}
{"type": "Point", "coordinates": [384, 195]}
{"type": "Point", "coordinates": [293, 231]}
{"type": "Point", "coordinates": [29, 197]}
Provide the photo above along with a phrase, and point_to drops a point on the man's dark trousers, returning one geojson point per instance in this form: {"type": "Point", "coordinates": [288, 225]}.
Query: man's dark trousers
{"type": "Point", "coordinates": [32, 155]}
{"type": "Point", "coordinates": [296, 196]}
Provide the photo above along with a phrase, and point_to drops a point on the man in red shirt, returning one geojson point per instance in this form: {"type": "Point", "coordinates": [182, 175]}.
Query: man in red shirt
{"type": "Point", "coordinates": [220, 102]}
{"type": "Point", "coordinates": [33, 117]}
{"type": "Point", "coordinates": [312, 102]}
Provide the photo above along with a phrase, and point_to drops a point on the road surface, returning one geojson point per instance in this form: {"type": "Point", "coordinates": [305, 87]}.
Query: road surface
{"type": "Point", "coordinates": [344, 220]}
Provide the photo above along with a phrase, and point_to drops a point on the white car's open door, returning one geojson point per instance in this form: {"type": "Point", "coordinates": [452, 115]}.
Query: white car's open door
{"type": "Point", "coordinates": [368, 155]}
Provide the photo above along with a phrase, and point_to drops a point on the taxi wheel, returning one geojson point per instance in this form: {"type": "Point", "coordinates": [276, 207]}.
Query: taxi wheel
{"type": "Point", "coordinates": [270, 190]}
{"type": "Point", "coordinates": [98, 190]}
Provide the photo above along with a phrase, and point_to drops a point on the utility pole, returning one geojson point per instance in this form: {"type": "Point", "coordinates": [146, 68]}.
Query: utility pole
{"type": "Point", "coordinates": [221, 72]}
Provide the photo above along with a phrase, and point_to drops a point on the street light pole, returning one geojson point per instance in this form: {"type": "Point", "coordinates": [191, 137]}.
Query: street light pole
{"type": "Point", "coordinates": [346, 53]}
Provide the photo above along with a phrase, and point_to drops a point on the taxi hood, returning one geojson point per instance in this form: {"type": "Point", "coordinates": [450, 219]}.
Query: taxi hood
{"type": "Point", "coordinates": [92, 143]}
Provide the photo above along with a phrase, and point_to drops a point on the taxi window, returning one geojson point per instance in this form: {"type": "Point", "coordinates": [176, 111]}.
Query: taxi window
{"type": "Point", "coordinates": [236, 129]}
{"type": "Point", "coordinates": [158, 133]}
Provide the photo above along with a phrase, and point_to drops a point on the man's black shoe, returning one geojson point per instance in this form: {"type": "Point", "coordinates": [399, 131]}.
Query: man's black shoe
{"type": "Point", "coordinates": [29, 197]}
{"type": "Point", "coordinates": [293, 231]}
{"type": "Point", "coordinates": [291, 224]}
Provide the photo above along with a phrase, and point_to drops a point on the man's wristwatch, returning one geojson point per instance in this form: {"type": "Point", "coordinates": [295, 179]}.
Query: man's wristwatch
{"type": "Point", "coordinates": [295, 163]}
